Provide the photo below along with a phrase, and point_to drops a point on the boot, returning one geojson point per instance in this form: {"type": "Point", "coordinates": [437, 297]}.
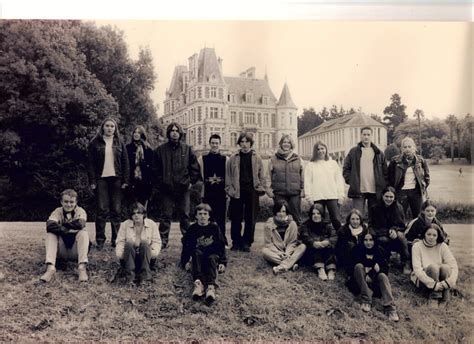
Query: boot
{"type": "Point", "coordinates": [49, 274]}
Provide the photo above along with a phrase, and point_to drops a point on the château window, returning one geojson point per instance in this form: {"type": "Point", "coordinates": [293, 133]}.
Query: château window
{"type": "Point", "coordinates": [248, 98]}
{"type": "Point", "coordinates": [266, 122]}
{"type": "Point", "coordinates": [199, 113]}
{"type": "Point", "coordinates": [250, 118]}
{"type": "Point", "coordinates": [273, 120]}
{"type": "Point", "coordinates": [206, 92]}
{"type": "Point", "coordinates": [233, 117]}
{"type": "Point", "coordinates": [232, 98]}
{"type": "Point", "coordinates": [214, 112]}
{"type": "Point", "coordinates": [199, 92]}
{"type": "Point", "coordinates": [265, 100]}
{"type": "Point", "coordinates": [221, 93]}
{"type": "Point", "coordinates": [213, 92]}
{"type": "Point", "coordinates": [233, 139]}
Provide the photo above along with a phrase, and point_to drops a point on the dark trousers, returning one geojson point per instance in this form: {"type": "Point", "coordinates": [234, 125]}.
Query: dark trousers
{"type": "Point", "coordinates": [218, 203]}
{"type": "Point", "coordinates": [344, 256]}
{"type": "Point", "coordinates": [137, 260]}
{"type": "Point", "coordinates": [140, 192]}
{"type": "Point", "coordinates": [204, 266]}
{"type": "Point", "coordinates": [109, 204]}
{"type": "Point", "coordinates": [333, 210]}
{"type": "Point", "coordinates": [294, 206]}
{"type": "Point", "coordinates": [178, 201]}
{"type": "Point", "coordinates": [320, 258]}
{"type": "Point", "coordinates": [359, 203]}
{"type": "Point", "coordinates": [380, 284]}
{"type": "Point", "coordinates": [246, 208]}
{"type": "Point", "coordinates": [399, 244]}
{"type": "Point", "coordinates": [411, 198]}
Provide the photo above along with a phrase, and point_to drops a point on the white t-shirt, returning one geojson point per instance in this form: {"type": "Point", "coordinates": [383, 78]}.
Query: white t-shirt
{"type": "Point", "coordinates": [109, 170]}
{"type": "Point", "coordinates": [410, 179]}
{"type": "Point", "coordinates": [367, 177]}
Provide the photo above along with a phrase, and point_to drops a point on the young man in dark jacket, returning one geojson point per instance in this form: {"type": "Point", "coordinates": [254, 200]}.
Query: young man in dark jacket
{"type": "Point", "coordinates": [365, 171]}
{"type": "Point", "coordinates": [175, 169]}
{"type": "Point", "coordinates": [213, 167]}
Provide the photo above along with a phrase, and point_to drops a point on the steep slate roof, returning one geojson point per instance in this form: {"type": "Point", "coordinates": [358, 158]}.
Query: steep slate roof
{"type": "Point", "coordinates": [258, 87]}
{"type": "Point", "coordinates": [176, 85]}
{"type": "Point", "coordinates": [285, 98]}
{"type": "Point", "coordinates": [208, 65]}
{"type": "Point", "coordinates": [355, 120]}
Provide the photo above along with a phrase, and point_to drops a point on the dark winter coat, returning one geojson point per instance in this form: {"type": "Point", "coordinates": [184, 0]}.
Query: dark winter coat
{"type": "Point", "coordinates": [351, 170]}
{"type": "Point", "coordinates": [96, 158]}
{"type": "Point", "coordinates": [417, 227]}
{"type": "Point", "coordinates": [360, 253]}
{"type": "Point", "coordinates": [398, 167]}
{"type": "Point", "coordinates": [175, 167]}
{"type": "Point", "coordinates": [318, 231]}
{"type": "Point", "coordinates": [344, 236]}
{"type": "Point", "coordinates": [145, 166]}
{"type": "Point", "coordinates": [384, 218]}
{"type": "Point", "coordinates": [287, 175]}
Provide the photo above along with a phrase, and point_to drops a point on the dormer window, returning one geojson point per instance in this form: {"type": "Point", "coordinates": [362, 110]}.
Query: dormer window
{"type": "Point", "coordinates": [248, 97]}
{"type": "Point", "coordinates": [213, 77]}
{"type": "Point", "coordinates": [264, 100]}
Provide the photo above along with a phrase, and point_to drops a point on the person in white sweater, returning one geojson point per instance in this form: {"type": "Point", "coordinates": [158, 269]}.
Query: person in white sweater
{"type": "Point", "coordinates": [434, 267]}
{"type": "Point", "coordinates": [323, 183]}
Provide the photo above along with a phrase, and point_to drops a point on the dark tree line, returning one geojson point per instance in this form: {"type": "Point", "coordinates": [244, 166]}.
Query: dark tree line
{"type": "Point", "coordinates": [58, 81]}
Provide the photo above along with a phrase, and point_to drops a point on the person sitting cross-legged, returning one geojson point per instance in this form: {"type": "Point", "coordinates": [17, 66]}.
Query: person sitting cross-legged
{"type": "Point", "coordinates": [205, 244]}
{"type": "Point", "coordinates": [66, 236]}
{"type": "Point", "coordinates": [138, 244]}
{"type": "Point", "coordinates": [281, 244]}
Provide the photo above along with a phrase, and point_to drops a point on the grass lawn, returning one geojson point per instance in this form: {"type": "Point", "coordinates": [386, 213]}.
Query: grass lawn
{"type": "Point", "coordinates": [252, 304]}
{"type": "Point", "coordinates": [447, 185]}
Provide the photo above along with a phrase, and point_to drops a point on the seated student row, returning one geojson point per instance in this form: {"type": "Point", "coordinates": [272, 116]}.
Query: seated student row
{"type": "Point", "coordinates": [138, 243]}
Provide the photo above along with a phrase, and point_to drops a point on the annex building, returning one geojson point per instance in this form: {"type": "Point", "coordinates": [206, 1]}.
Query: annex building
{"type": "Point", "coordinates": [206, 102]}
{"type": "Point", "coordinates": [341, 134]}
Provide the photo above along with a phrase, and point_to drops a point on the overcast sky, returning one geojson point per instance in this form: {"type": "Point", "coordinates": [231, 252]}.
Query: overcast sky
{"type": "Point", "coordinates": [353, 64]}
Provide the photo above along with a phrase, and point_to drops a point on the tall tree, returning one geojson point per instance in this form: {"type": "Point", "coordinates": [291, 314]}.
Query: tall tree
{"type": "Point", "coordinates": [51, 103]}
{"type": "Point", "coordinates": [394, 115]}
{"type": "Point", "coordinates": [308, 120]}
{"type": "Point", "coordinates": [419, 114]}
{"type": "Point", "coordinates": [452, 122]}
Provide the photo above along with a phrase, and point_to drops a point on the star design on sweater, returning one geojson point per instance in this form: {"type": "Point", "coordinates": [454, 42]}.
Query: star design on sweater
{"type": "Point", "coordinates": [214, 179]}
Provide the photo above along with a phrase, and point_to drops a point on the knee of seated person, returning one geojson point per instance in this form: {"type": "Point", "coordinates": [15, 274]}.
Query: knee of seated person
{"type": "Point", "coordinates": [82, 235]}
{"type": "Point", "coordinates": [433, 268]}
{"type": "Point", "coordinates": [144, 244]}
{"type": "Point", "coordinates": [129, 245]}
{"type": "Point", "coordinates": [213, 257]}
{"type": "Point", "coordinates": [381, 276]}
{"type": "Point", "coordinates": [301, 247]}
{"type": "Point", "coordinates": [445, 269]}
{"type": "Point", "coordinates": [359, 266]}
{"type": "Point", "coordinates": [400, 235]}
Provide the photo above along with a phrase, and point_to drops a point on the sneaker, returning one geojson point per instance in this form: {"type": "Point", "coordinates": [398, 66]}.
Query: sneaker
{"type": "Point", "coordinates": [433, 303]}
{"type": "Point", "coordinates": [365, 307]}
{"type": "Point", "coordinates": [210, 293]}
{"type": "Point", "coordinates": [331, 274]}
{"type": "Point", "coordinates": [322, 274]}
{"type": "Point", "coordinates": [295, 267]}
{"type": "Point", "coordinates": [278, 269]}
{"type": "Point", "coordinates": [393, 315]}
{"type": "Point", "coordinates": [83, 273]}
{"type": "Point", "coordinates": [49, 274]}
{"type": "Point", "coordinates": [407, 268]}
{"type": "Point", "coordinates": [198, 289]}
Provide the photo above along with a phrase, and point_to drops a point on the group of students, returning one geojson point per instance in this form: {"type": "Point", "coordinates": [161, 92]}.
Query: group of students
{"type": "Point", "coordinates": [362, 250]}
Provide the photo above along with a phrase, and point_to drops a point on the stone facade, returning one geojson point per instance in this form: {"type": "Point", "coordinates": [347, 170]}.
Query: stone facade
{"type": "Point", "coordinates": [206, 102]}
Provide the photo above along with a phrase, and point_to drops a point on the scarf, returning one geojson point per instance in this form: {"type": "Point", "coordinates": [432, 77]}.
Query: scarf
{"type": "Point", "coordinates": [284, 154]}
{"type": "Point", "coordinates": [356, 231]}
{"type": "Point", "coordinates": [429, 245]}
{"type": "Point", "coordinates": [139, 157]}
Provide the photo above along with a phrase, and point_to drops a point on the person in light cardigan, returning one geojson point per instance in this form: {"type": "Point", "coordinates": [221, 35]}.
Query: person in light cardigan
{"type": "Point", "coordinates": [323, 183]}
{"type": "Point", "coordinates": [138, 243]}
{"type": "Point", "coordinates": [434, 267]}
{"type": "Point", "coordinates": [281, 245]}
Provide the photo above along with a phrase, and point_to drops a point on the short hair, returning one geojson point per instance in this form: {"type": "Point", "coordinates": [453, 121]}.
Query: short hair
{"type": "Point", "coordinates": [69, 192]}
{"type": "Point", "coordinates": [215, 136]}
{"type": "Point", "coordinates": [137, 206]}
{"type": "Point", "coordinates": [354, 212]}
{"type": "Point", "coordinates": [318, 207]}
{"type": "Point", "coordinates": [203, 206]}
{"type": "Point", "coordinates": [428, 203]}
{"type": "Point", "coordinates": [289, 138]}
{"type": "Point", "coordinates": [434, 226]}
{"type": "Point", "coordinates": [278, 204]}
{"type": "Point", "coordinates": [246, 135]}
{"type": "Point", "coordinates": [315, 156]}
{"type": "Point", "coordinates": [366, 128]}
{"type": "Point", "coordinates": [389, 189]}
{"type": "Point", "coordinates": [170, 127]}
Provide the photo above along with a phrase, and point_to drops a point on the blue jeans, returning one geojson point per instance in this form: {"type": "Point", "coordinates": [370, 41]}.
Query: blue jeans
{"type": "Point", "coordinates": [180, 202]}
{"type": "Point", "coordinates": [109, 205]}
